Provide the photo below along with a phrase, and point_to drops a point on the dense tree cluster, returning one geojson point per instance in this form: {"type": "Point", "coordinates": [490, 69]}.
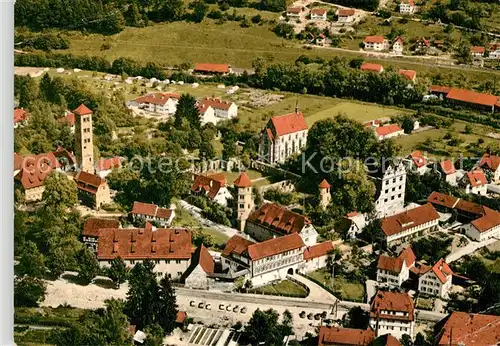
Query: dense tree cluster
{"type": "Point", "coordinates": [459, 12]}
{"type": "Point", "coordinates": [45, 41]}
{"type": "Point", "coordinates": [264, 327]}
{"type": "Point", "coordinates": [369, 5]}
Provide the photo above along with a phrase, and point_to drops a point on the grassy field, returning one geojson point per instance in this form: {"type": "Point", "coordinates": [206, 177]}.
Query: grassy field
{"type": "Point", "coordinates": [285, 287]}
{"type": "Point", "coordinates": [347, 290]}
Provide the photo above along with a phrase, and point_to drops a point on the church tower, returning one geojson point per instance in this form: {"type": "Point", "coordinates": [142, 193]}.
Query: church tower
{"type": "Point", "coordinates": [245, 199]}
{"type": "Point", "coordinates": [324, 194]}
{"type": "Point", "coordinates": [84, 139]}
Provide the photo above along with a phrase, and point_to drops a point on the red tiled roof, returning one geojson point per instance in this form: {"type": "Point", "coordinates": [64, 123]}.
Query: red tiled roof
{"type": "Point", "coordinates": [442, 199]}
{"type": "Point", "coordinates": [237, 245]}
{"type": "Point", "coordinates": [181, 317]}
{"type": "Point", "coordinates": [395, 264]}
{"type": "Point", "coordinates": [93, 225]}
{"type": "Point", "coordinates": [408, 256]}
{"type": "Point", "coordinates": [442, 270]}
{"type": "Point", "coordinates": [424, 41]}
{"type": "Point", "coordinates": [107, 164]}
{"type": "Point", "coordinates": [294, 9]}
{"type": "Point", "coordinates": [418, 158]}
{"type": "Point", "coordinates": [18, 161]}
{"type": "Point", "coordinates": [318, 250]}
{"type": "Point", "coordinates": [411, 2]}
{"type": "Point", "coordinates": [440, 89]}
{"type": "Point", "coordinates": [216, 103]}
{"type": "Point", "coordinates": [144, 243]}
{"type": "Point", "coordinates": [352, 214]}
{"type": "Point", "coordinates": [400, 40]}
{"type": "Point", "coordinates": [82, 110]}
{"type": "Point", "coordinates": [387, 129]}
{"type": "Point", "coordinates": [447, 167]}
{"type": "Point", "coordinates": [386, 340]}
{"type": "Point", "coordinates": [473, 97]}
{"type": "Point", "coordinates": [374, 39]}
{"type": "Point", "coordinates": [345, 336]}
{"type": "Point", "coordinates": [157, 98]}
{"type": "Point", "coordinates": [202, 108]}
{"type": "Point", "coordinates": [20, 115]}
{"type": "Point", "coordinates": [68, 118]}
{"type": "Point", "coordinates": [278, 219]}
{"type": "Point", "coordinates": [477, 178]}
{"type": "Point", "coordinates": [275, 246]}
{"type": "Point", "coordinates": [392, 301]}
{"type": "Point", "coordinates": [210, 183]}
{"type": "Point", "coordinates": [477, 49]}
{"type": "Point", "coordinates": [411, 218]}
{"type": "Point", "coordinates": [343, 12]}
{"type": "Point", "coordinates": [64, 156]}
{"type": "Point", "coordinates": [140, 208]}
{"type": "Point", "coordinates": [163, 213]}
{"type": "Point", "coordinates": [243, 180]}
{"type": "Point", "coordinates": [206, 67]}
{"type": "Point", "coordinates": [324, 184]}
{"type": "Point", "coordinates": [409, 74]}
{"type": "Point", "coordinates": [490, 161]}
{"type": "Point", "coordinates": [204, 259]}
{"type": "Point", "coordinates": [367, 66]}
{"type": "Point", "coordinates": [469, 329]}
{"type": "Point", "coordinates": [35, 169]}
{"type": "Point", "coordinates": [288, 123]}
{"type": "Point", "coordinates": [318, 11]}
{"type": "Point", "coordinates": [88, 182]}
{"type": "Point", "coordinates": [490, 219]}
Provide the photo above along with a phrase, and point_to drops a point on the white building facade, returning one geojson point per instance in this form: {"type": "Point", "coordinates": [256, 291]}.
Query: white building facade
{"type": "Point", "coordinates": [391, 186]}
{"type": "Point", "coordinates": [437, 281]}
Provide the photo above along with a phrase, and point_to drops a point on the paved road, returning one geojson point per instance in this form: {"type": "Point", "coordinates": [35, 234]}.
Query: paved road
{"type": "Point", "coordinates": [316, 292]}
{"type": "Point", "coordinates": [470, 248]}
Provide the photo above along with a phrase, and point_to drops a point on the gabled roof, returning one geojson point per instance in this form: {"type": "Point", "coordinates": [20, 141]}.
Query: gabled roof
{"type": "Point", "coordinates": [442, 199]}
{"type": "Point", "coordinates": [93, 225]}
{"type": "Point", "coordinates": [490, 161]}
{"type": "Point", "coordinates": [202, 257]}
{"type": "Point", "coordinates": [399, 39]}
{"type": "Point", "coordinates": [82, 110]}
{"type": "Point", "coordinates": [424, 41]}
{"type": "Point", "coordinates": [157, 98]}
{"type": "Point", "coordinates": [469, 329]}
{"type": "Point", "coordinates": [442, 270]}
{"type": "Point", "coordinates": [181, 317]}
{"type": "Point", "coordinates": [151, 210]}
{"type": "Point", "coordinates": [68, 118]}
{"type": "Point", "coordinates": [318, 11]}
{"type": "Point", "coordinates": [216, 103]}
{"type": "Point", "coordinates": [278, 219]}
{"type": "Point", "coordinates": [418, 158]}
{"type": "Point", "coordinates": [345, 336]}
{"type": "Point", "coordinates": [35, 169]}
{"type": "Point", "coordinates": [447, 167]}
{"type": "Point", "coordinates": [318, 250]}
{"type": "Point", "coordinates": [410, 2]}
{"type": "Point", "coordinates": [294, 9]}
{"type": "Point", "coordinates": [110, 163]}
{"type": "Point", "coordinates": [367, 66]}
{"type": "Point", "coordinates": [324, 184]}
{"type": "Point", "coordinates": [477, 49]}
{"type": "Point", "coordinates": [206, 67]}
{"type": "Point", "coordinates": [144, 243]}
{"type": "Point", "coordinates": [243, 180]}
{"type": "Point", "coordinates": [408, 74]}
{"type": "Point", "coordinates": [386, 340]}
{"type": "Point", "coordinates": [476, 178]}
{"type": "Point", "coordinates": [287, 123]}
{"type": "Point", "coordinates": [346, 12]}
{"type": "Point", "coordinates": [237, 245]}
{"type": "Point", "coordinates": [387, 129]}
{"type": "Point", "coordinates": [409, 219]}
{"type": "Point", "coordinates": [439, 89]}
{"type": "Point", "coordinates": [20, 115]}
{"type": "Point", "coordinates": [472, 97]}
{"type": "Point", "coordinates": [392, 301]}
{"type": "Point", "coordinates": [88, 182]}
{"type": "Point", "coordinates": [210, 184]}
{"type": "Point", "coordinates": [396, 264]}
{"type": "Point", "coordinates": [374, 39]}
{"type": "Point", "coordinates": [275, 246]}
{"type": "Point", "coordinates": [485, 223]}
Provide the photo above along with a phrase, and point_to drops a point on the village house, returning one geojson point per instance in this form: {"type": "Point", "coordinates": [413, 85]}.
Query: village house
{"type": "Point", "coordinates": [390, 185]}
{"type": "Point", "coordinates": [392, 313]}
{"type": "Point", "coordinates": [316, 257]}
{"type": "Point", "coordinates": [160, 103]}
{"type": "Point", "coordinates": [368, 66]}
{"type": "Point", "coordinates": [417, 162]}
{"type": "Point", "coordinates": [414, 222]}
{"type": "Point", "coordinates": [475, 182]}
{"type": "Point", "coordinates": [293, 12]}
{"type": "Point", "coordinates": [148, 212]}
{"type": "Point", "coordinates": [91, 228]}
{"type": "Point", "coordinates": [69, 119]}
{"type": "Point", "coordinates": [477, 51]}
{"type": "Point", "coordinates": [494, 51]}
{"type": "Point", "coordinates": [411, 75]}
{"type": "Point", "coordinates": [485, 227]}
{"type": "Point", "coordinates": [436, 281]}
{"type": "Point", "coordinates": [388, 131]}
{"type": "Point", "coordinates": [422, 45]}
{"type": "Point", "coordinates": [330, 336]}
{"type": "Point", "coordinates": [407, 7]}
{"type": "Point", "coordinates": [491, 164]}
{"type": "Point", "coordinates": [274, 221]}
{"type": "Point", "coordinates": [169, 248]}
{"type": "Point", "coordinates": [398, 46]}
{"type": "Point", "coordinates": [270, 260]}
{"type": "Point", "coordinates": [352, 224]}
{"type": "Point", "coordinates": [465, 328]}
{"type": "Point", "coordinates": [213, 110]}
{"type": "Point", "coordinates": [394, 271]}
{"type": "Point", "coordinates": [32, 172]}
{"type": "Point", "coordinates": [439, 91]}
{"type": "Point", "coordinates": [105, 166]}
{"type": "Point", "coordinates": [320, 40]}
{"type": "Point", "coordinates": [346, 15]}
{"type": "Point", "coordinates": [318, 14]}
{"type": "Point", "coordinates": [448, 172]}
{"type": "Point", "coordinates": [212, 69]}
{"type": "Point", "coordinates": [92, 190]}
{"type": "Point", "coordinates": [282, 137]}
{"type": "Point", "coordinates": [199, 274]}
{"type": "Point", "coordinates": [213, 186]}
{"type": "Point", "coordinates": [21, 117]}
{"type": "Point", "coordinates": [472, 99]}
{"type": "Point", "coordinates": [376, 43]}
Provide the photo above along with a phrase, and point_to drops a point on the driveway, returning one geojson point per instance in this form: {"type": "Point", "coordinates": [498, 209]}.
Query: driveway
{"type": "Point", "coordinates": [316, 292]}
{"type": "Point", "coordinates": [470, 248]}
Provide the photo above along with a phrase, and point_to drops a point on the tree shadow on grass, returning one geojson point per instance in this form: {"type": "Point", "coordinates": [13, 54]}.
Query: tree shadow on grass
{"type": "Point", "coordinates": [105, 283]}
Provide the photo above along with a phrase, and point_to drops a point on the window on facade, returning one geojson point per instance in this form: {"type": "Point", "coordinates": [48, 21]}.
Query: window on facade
{"type": "Point", "coordinates": [399, 196]}
{"type": "Point", "coordinates": [167, 261]}
{"type": "Point", "coordinates": [385, 200]}
{"type": "Point", "coordinates": [132, 262]}
{"type": "Point", "coordinates": [400, 178]}
{"type": "Point", "coordinates": [393, 189]}
{"type": "Point", "coordinates": [178, 261]}
{"type": "Point", "coordinates": [242, 206]}
{"type": "Point", "coordinates": [179, 273]}
{"type": "Point", "coordinates": [392, 198]}
{"type": "Point", "coordinates": [387, 191]}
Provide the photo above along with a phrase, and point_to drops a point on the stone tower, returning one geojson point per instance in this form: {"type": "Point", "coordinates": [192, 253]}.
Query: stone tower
{"type": "Point", "coordinates": [245, 199]}
{"type": "Point", "coordinates": [324, 194]}
{"type": "Point", "coordinates": [84, 139]}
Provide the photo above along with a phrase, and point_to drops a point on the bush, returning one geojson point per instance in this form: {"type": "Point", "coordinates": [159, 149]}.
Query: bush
{"type": "Point", "coordinates": [256, 19]}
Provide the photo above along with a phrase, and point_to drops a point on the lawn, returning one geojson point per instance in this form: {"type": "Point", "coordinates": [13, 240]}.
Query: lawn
{"type": "Point", "coordinates": [346, 290]}
{"type": "Point", "coordinates": [231, 176]}
{"type": "Point", "coordinates": [285, 287]}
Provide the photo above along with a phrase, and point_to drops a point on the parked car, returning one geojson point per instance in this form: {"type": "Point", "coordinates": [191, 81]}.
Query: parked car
{"type": "Point", "coordinates": [192, 303]}
{"type": "Point", "coordinates": [222, 306]}
{"type": "Point", "coordinates": [208, 306]}
{"type": "Point", "coordinates": [201, 305]}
